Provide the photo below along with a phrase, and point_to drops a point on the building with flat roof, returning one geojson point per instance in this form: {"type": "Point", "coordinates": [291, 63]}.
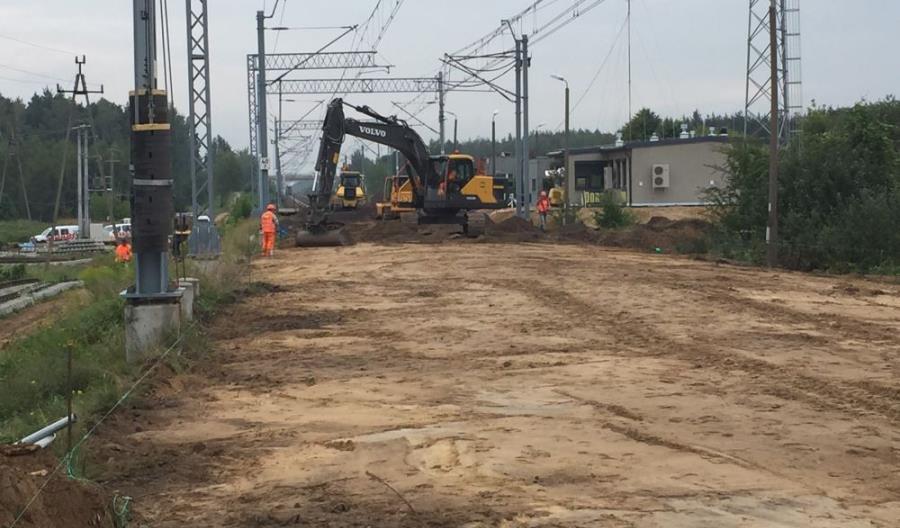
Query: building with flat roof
{"type": "Point", "coordinates": [669, 172]}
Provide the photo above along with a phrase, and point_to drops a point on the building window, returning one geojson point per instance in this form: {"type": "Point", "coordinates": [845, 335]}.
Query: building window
{"type": "Point", "coordinates": [589, 176]}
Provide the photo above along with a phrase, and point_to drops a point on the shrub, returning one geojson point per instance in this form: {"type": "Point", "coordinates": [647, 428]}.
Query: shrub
{"type": "Point", "coordinates": [10, 273]}
{"type": "Point", "coordinates": [839, 191]}
{"type": "Point", "coordinates": [613, 214]}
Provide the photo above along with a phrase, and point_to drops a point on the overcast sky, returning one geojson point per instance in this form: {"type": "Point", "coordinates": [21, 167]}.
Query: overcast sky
{"type": "Point", "coordinates": [686, 54]}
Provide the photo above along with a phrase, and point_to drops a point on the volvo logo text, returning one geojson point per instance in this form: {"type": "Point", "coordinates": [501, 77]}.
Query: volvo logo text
{"type": "Point", "coordinates": [372, 131]}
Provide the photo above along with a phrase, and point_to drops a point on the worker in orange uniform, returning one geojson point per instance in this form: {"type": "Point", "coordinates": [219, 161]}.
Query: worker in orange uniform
{"type": "Point", "coordinates": [543, 207]}
{"type": "Point", "coordinates": [123, 252]}
{"type": "Point", "coordinates": [268, 226]}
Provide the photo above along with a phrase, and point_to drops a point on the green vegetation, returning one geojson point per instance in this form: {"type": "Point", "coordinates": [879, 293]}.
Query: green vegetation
{"type": "Point", "coordinates": [33, 375]}
{"type": "Point", "coordinates": [11, 273]}
{"type": "Point", "coordinates": [39, 125]}
{"type": "Point", "coordinates": [613, 214]}
{"type": "Point", "coordinates": [839, 193]}
{"type": "Point", "coordinates": [33, 369]}
{"type": "Point", "coordinates": [15, 231]}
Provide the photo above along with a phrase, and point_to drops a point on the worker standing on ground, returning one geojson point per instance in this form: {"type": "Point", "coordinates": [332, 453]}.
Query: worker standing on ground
{"type": "Point", "coordinates": [123, 251]}
{"type": "Point", "coordinates": [268, 226]}
{"type": "Point", "coordinates": [543, 207]}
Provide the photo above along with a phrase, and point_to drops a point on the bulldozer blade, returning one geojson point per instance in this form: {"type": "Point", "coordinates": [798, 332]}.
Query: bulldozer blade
{"type": "Point", "coordinates": [330, 238]}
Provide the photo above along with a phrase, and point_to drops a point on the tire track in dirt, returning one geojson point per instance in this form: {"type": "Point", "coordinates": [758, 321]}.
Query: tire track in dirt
{"type": "Point", "coordinates": [776, 380]}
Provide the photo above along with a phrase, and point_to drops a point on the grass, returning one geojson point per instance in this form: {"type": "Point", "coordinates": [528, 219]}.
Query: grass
{"type": "Point", "coordinates": [14, 231]}
{"type": "Point", "coordinates": [33, 373]}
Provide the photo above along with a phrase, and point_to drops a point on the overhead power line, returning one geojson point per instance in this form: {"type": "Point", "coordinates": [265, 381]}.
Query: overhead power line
{"type": "Point", "coordinates": [39, 46]}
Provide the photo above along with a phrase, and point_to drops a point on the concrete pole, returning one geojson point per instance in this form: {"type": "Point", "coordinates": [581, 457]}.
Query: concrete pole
{"type": "Point", "coordinates": [151, 188]}
{"type": "Point", "coordinates": [566, 156]}
{"type": "Point", "coordinates": [772, 228]}
{"type": "Point", "coordinates": [518, 170]}
{"type": "Point", "coordinates": [494, 145]}
{"type": "Point", "coordinates": [80, 177]}
{"type": "Point", "coordinates": [441, 115]}
{"type": "Point", "coordinates": [262, 137]}
{"type": "Point", "coordinates": [87, 187]}
{"type": "Point", "coordinates": [455, 133]}
{"type": "Point", "coordinates": [278, 176]}
{"type": "Point", "coordinates": [526, 154]}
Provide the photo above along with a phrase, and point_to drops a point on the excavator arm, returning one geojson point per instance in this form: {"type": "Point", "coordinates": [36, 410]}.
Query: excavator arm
{"type": "Point", "coordinates": [384, 130]}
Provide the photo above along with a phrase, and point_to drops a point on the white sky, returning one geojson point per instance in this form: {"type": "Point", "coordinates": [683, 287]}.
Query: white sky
{"type": "Point", "coordinates": [686, 54]}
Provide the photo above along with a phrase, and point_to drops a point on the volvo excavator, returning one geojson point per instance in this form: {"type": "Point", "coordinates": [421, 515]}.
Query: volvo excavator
{"type": "Point", "coordinates": [445, 189]}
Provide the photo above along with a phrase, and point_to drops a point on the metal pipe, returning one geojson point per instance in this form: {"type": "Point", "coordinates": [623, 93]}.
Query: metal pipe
{"type": "Point", "coordinates": [51, 429]}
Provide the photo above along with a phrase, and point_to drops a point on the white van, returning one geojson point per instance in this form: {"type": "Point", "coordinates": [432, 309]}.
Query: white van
{"type": "Point", "coordinates": [111, 234]}
{"type": "Point", "coordinates": [56, 234]}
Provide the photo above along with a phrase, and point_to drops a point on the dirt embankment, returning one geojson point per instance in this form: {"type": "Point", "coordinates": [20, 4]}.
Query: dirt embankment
{"type": "Point", "coordinates": [63, 503]}
{"type": "Point", "coordinates": [658, 234]}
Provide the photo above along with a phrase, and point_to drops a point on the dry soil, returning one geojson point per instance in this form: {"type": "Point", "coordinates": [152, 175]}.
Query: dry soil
{"type": "Point", "coordinates": [545, 385]}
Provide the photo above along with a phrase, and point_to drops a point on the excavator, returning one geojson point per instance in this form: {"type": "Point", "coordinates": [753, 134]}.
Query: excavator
{"type": "Point", "coordinates": [445, 189]}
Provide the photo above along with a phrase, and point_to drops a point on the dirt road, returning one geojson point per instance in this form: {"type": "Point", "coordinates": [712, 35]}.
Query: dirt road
{"type": "Point", "coordinates": [528, 385]}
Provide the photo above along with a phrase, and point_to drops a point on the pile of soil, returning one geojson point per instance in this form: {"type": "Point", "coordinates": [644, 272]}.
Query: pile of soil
{"type": "Point", "coordinates": [660, 233]}
{"type": "Point", "coordinates": [64, 503]}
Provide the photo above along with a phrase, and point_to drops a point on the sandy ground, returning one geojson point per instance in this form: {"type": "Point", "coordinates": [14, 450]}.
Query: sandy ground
{"type": "Point", "coordinates": [527, 385]}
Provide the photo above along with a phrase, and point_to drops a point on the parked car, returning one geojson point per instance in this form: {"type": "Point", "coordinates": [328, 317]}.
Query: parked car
{"type": "Point", "coordinates": [114, 232]}
{"type": "Point", "coordinates": [56, 234]}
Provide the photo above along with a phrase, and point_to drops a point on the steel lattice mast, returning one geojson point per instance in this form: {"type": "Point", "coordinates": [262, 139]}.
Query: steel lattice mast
{"type": "Point", "coordinates": [758, 95]}
{"type": "Point", "coordinates": [204, 238]}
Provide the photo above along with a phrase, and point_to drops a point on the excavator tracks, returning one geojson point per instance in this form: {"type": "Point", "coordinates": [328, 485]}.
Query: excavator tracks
{"type": "Point", "coordinates": [475, 224]}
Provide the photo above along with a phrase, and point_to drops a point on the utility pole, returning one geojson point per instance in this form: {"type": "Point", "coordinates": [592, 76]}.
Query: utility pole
{"type": "Point", "coordinates": [630, 135]}
{"type": "Point", "coordinates": [83, 210]}
{"type": "Point", "coordinates": [526, 154]}
{"type": "Point", "coordinates": [3, 172]}
{"type": "Point", "coordinates": [263, 134]}
{"type": "Point", "coordinates": [79, 88]}
{"type": "Point", "coordinates": [17, 152]}
{"type": "Point", "coordinates": [565, 144]}
{"type": "Point", "coordinates": [494, 143]}
{"type": "Point", "coordinates": [111, 187]}
{"type": "Point", "coordinates": [518, 143]}
{"type": "Point", "coordinates": [772, 229]}
{"type": "Point", "coordinates": [278, 176]}
{"type": "Point", "coordinates": [441, 116]}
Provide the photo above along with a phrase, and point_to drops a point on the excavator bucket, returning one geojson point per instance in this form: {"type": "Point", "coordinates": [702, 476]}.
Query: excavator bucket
{"type": "Point", "coordinates": [327, 238]}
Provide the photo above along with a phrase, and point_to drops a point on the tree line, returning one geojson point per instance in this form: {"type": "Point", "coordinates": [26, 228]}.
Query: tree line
{"type": "Point", "coordinates": [33, 136]}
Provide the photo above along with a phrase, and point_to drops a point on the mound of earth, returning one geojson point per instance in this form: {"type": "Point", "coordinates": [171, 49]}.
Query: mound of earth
{"type": "Point", "coordinates": [660, 233]}
{"type": "Point", "coordinates": [64, 503]}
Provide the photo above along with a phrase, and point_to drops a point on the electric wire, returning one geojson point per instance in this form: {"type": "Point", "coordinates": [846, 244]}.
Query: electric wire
{"type": "Point", "coordinates": [39, 46]}
{"type": "Point", "coordinates": [97, 424]}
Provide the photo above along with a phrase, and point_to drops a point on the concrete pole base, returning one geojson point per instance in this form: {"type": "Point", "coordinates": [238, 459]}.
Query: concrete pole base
{"type": "Point", "coordinates": [149, 322]}
{"type": "Point", "coordinates": [191, 287]}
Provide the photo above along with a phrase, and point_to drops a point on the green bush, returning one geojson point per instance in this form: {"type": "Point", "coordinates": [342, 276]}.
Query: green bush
{"type": "Point", "coordinates": [14, 231]}
{"type": "Point", "coordinates": [10, 273]}
{"type": "Point", "coordinates": [613, 214]}
{"type": "Point", "coordinates": [839, 191]}
{"type": "Point", "coordinates": [565, 215]}
{"type": "Point", "coordinates": [241, 208]}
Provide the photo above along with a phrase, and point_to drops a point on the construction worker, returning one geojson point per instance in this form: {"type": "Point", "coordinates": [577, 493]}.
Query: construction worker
{"type": "Point", "coordinates": [123, 251]}
{"type": "Point", "coordinates": [543, 207]}
{"type": "Point", "coordinates": [268, 226]}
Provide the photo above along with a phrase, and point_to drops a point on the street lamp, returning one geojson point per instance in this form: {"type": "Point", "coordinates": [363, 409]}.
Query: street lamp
{"type": "Point", "coordinates": [494, 143]}
{"type": "Point", "coordinates": [455, 128]}
{"type": "Point", "coordinates": [566, 145]}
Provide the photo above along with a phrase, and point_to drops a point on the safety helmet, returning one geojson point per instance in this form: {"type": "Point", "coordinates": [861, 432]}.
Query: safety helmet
{"type": "Point", "coordinates": [543, 194]}
{"type": "Point", "coordinates": [270, 207]}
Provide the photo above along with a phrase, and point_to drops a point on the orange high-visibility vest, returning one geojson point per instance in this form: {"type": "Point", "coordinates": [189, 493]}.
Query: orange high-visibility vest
{"type": "Point", "coordinates": [543, 205]}
{"type": "Point", "coordinates": [267, 222]}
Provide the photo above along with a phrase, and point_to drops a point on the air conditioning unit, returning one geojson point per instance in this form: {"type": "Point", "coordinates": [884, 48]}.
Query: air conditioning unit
{"type": "Point", "coordinates": [660, 176]}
